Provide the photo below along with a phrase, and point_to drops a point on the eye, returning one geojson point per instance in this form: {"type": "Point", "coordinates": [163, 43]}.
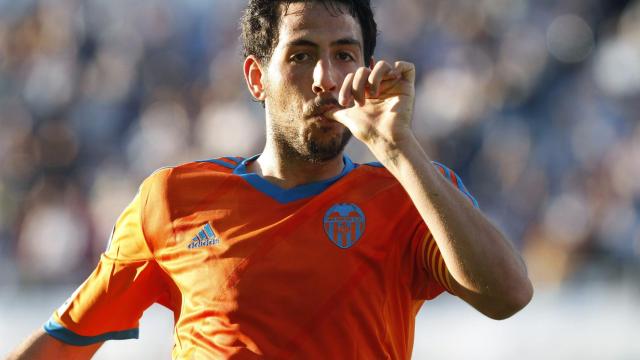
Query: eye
{"type": "Point", "coordinates": [299, 57]}
{"type": "Point", "coordinates": [345, 56]}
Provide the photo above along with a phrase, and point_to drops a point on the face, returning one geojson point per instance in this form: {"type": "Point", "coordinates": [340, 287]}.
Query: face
{"type": "Point", "coordinates": [315, 52]}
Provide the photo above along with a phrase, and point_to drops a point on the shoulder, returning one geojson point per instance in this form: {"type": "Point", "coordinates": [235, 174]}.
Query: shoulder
{"type": "Point", "coordinates": [188, 179]}
{"type": "Point", "coordinates": [377, 169]}
{"type": "Point", "coordinates": [373, 170]}
{"type": "Point", "coordinates": [174, 191]}
{"type": "Point", "coordinates": [373, 178]}
{"type": "Point", "coordinates": [193, 170]}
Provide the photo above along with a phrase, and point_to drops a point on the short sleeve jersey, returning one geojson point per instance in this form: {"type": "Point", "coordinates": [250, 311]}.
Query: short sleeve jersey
{"type": "Point", "coordinates": [336, 269]}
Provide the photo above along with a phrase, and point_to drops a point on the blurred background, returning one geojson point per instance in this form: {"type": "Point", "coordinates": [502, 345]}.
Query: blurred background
{"type": "Point", "coordinates": [535, 104]}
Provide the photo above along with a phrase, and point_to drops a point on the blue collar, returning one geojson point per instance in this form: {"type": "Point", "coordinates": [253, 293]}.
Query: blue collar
{"type": "Point", "coordinates": [295, 193]}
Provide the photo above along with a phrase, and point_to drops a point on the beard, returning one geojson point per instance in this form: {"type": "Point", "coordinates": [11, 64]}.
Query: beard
{"type": "Point", "coordinates": [297, 137]}
{"type": "Point", "coordinates": [292, 145]}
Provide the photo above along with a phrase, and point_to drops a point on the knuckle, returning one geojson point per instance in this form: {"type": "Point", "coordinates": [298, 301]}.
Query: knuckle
{"type": "Point", "coordinates": [405, 64]}
{"type": "Point", "coordinates": [348, 78]}
{"type": "Point", "coordinates": [357, 75]}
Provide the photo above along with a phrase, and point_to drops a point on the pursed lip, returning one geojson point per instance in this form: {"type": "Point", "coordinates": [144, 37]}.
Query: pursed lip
{"type": "Point", "coordinates": [327, 111]}
{"type": "Point", "coordinates": [323, 119]}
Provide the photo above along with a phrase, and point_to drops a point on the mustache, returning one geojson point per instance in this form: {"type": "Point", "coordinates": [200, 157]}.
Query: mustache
{"type": "Point", "coordinates": [321, 105]}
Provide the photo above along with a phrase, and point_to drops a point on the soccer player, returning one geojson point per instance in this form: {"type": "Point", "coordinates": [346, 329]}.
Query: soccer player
{"type": "Point", "coordinates": [298, 252]}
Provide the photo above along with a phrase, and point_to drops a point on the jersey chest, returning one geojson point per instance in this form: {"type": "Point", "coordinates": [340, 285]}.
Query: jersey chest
{"type": "Point", "coordinates": [236, 251]}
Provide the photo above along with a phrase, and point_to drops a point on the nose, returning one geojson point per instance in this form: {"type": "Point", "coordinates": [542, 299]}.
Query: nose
{"type": "Point", "coordinates": [324, 78]}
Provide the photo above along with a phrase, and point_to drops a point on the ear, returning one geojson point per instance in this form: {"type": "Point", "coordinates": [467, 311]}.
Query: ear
{"type": "Point", "coordinates": [253, 76]}
{"type": "Point", "coordinates": [372, 63]}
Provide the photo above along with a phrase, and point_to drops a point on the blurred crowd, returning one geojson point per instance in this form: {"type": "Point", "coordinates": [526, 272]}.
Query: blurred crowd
{"type": "Point", "coordinates": [534, 103]}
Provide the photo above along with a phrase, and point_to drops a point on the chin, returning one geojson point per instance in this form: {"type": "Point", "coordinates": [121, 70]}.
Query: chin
{"type": "Point", "coordinates": [321, 151]}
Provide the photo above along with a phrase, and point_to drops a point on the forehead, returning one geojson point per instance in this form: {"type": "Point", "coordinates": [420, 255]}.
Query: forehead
{"type": "Point", "coordinates": [315, 20]}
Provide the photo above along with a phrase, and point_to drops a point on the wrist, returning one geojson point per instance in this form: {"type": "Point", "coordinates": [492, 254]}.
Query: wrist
{"type": "Point", "coordinates": [391, 152]}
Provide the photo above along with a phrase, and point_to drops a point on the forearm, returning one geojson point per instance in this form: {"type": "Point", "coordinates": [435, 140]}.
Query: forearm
{"type": "Point", "coordinates": [41, 345]}
{"type": "Point", "coordinates": [486, 270]}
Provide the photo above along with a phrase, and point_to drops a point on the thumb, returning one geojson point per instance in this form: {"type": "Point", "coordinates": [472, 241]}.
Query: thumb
{"type": "Point", "coordinates": [342, 116]}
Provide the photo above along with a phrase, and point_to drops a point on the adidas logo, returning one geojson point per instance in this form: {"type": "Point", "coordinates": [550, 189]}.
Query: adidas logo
{"type": "Point", "coordinates": [205, 237]}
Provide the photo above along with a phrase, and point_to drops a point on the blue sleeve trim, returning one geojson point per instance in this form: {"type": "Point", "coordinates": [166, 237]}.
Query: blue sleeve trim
{"type": "Point", "coordinates": [459, 184]}
{"type": "Point", "coordinates": [67, 336]}
{"type": "Point", "coordinates": [235, 159]}
{"type": "Point", "coordinates": [466, 192]}
{"type": "Point", "coordinates": [221, 163]}
{"type": "Point", "coordinates": [375, 164]}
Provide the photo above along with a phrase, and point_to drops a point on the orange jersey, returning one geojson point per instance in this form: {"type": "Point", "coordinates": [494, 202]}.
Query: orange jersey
{"type": "Point", "coordinates": [329, 270]}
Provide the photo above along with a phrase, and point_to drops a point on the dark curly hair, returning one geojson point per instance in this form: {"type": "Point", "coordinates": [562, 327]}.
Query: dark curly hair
{"type": "Point", "coordinates": [261, 20]}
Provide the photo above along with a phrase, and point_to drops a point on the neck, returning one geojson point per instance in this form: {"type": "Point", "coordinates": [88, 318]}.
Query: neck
{"type": "Point", "coordinates": [291, 172]}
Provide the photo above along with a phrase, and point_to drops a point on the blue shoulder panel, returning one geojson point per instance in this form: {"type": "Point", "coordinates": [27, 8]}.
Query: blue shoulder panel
{"type": "Point", "coordinates": [67, 336]}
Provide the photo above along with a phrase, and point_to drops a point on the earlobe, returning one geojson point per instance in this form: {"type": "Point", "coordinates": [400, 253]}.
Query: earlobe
{"type": "Point", "coordinates": [253, 77]}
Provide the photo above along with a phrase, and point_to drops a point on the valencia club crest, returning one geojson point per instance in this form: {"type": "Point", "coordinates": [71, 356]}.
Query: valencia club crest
{"type": "Point", "coordinates": [344, 224]}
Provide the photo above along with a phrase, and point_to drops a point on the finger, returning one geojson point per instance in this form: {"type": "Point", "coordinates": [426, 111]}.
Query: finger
{"type": "Point", "coordinates": [359, 84]}
{"type": "Point", "coordinates": [340, 115]}
{"type": "Point", "coordinates": [380, 70]}
{"type": "Point", "coordinates": [389, 81]}
{"type": "Point", "coordinates": [344, 98]}
{"type": "Point", "coordinates": [407, 70]}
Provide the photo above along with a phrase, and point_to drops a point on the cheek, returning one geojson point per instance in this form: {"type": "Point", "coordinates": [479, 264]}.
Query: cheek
{"type": "Point", "coordinates": [299, 81]}
{"type": "Point", "coordinates": [286, 84]}
{"type": "Point", "coordinates": [345, 70]}
{"type": "Point", "coordinates": [351, 68]}
{"type": "Point", "coordinates": [283, 98]}
{"type": "Point", "coordinates": [291, 88]}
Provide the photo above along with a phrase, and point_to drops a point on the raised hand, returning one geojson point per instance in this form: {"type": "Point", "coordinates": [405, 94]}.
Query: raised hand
{"type": "Point", "coordinates": [379, 104]}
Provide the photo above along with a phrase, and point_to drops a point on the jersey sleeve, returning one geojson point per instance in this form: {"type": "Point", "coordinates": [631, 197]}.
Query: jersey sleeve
{"type": "Point", "coordinates": [126, 281]}
{"type": "Point", "coordinates": [435, 277]}
{"type": "Point", "coordinates": [432, 277]}
{"type": "Point", "coordinates": [455, 180]}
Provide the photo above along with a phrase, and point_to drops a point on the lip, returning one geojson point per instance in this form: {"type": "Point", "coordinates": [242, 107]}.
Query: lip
{"type": "Point", "coordinates": [327, 108]}
{"type": "Point", "coordinates": [322, 118]}
{"type": "Point", "coordinates": [327, 112]}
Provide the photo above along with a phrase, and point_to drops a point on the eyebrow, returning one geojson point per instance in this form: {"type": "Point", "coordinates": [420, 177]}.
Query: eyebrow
{"type": "Point", "coordinates": [343, 41]}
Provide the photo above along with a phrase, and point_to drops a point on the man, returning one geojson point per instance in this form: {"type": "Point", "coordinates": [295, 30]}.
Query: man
{"type": "Point", "coordinates": [298, 252]}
